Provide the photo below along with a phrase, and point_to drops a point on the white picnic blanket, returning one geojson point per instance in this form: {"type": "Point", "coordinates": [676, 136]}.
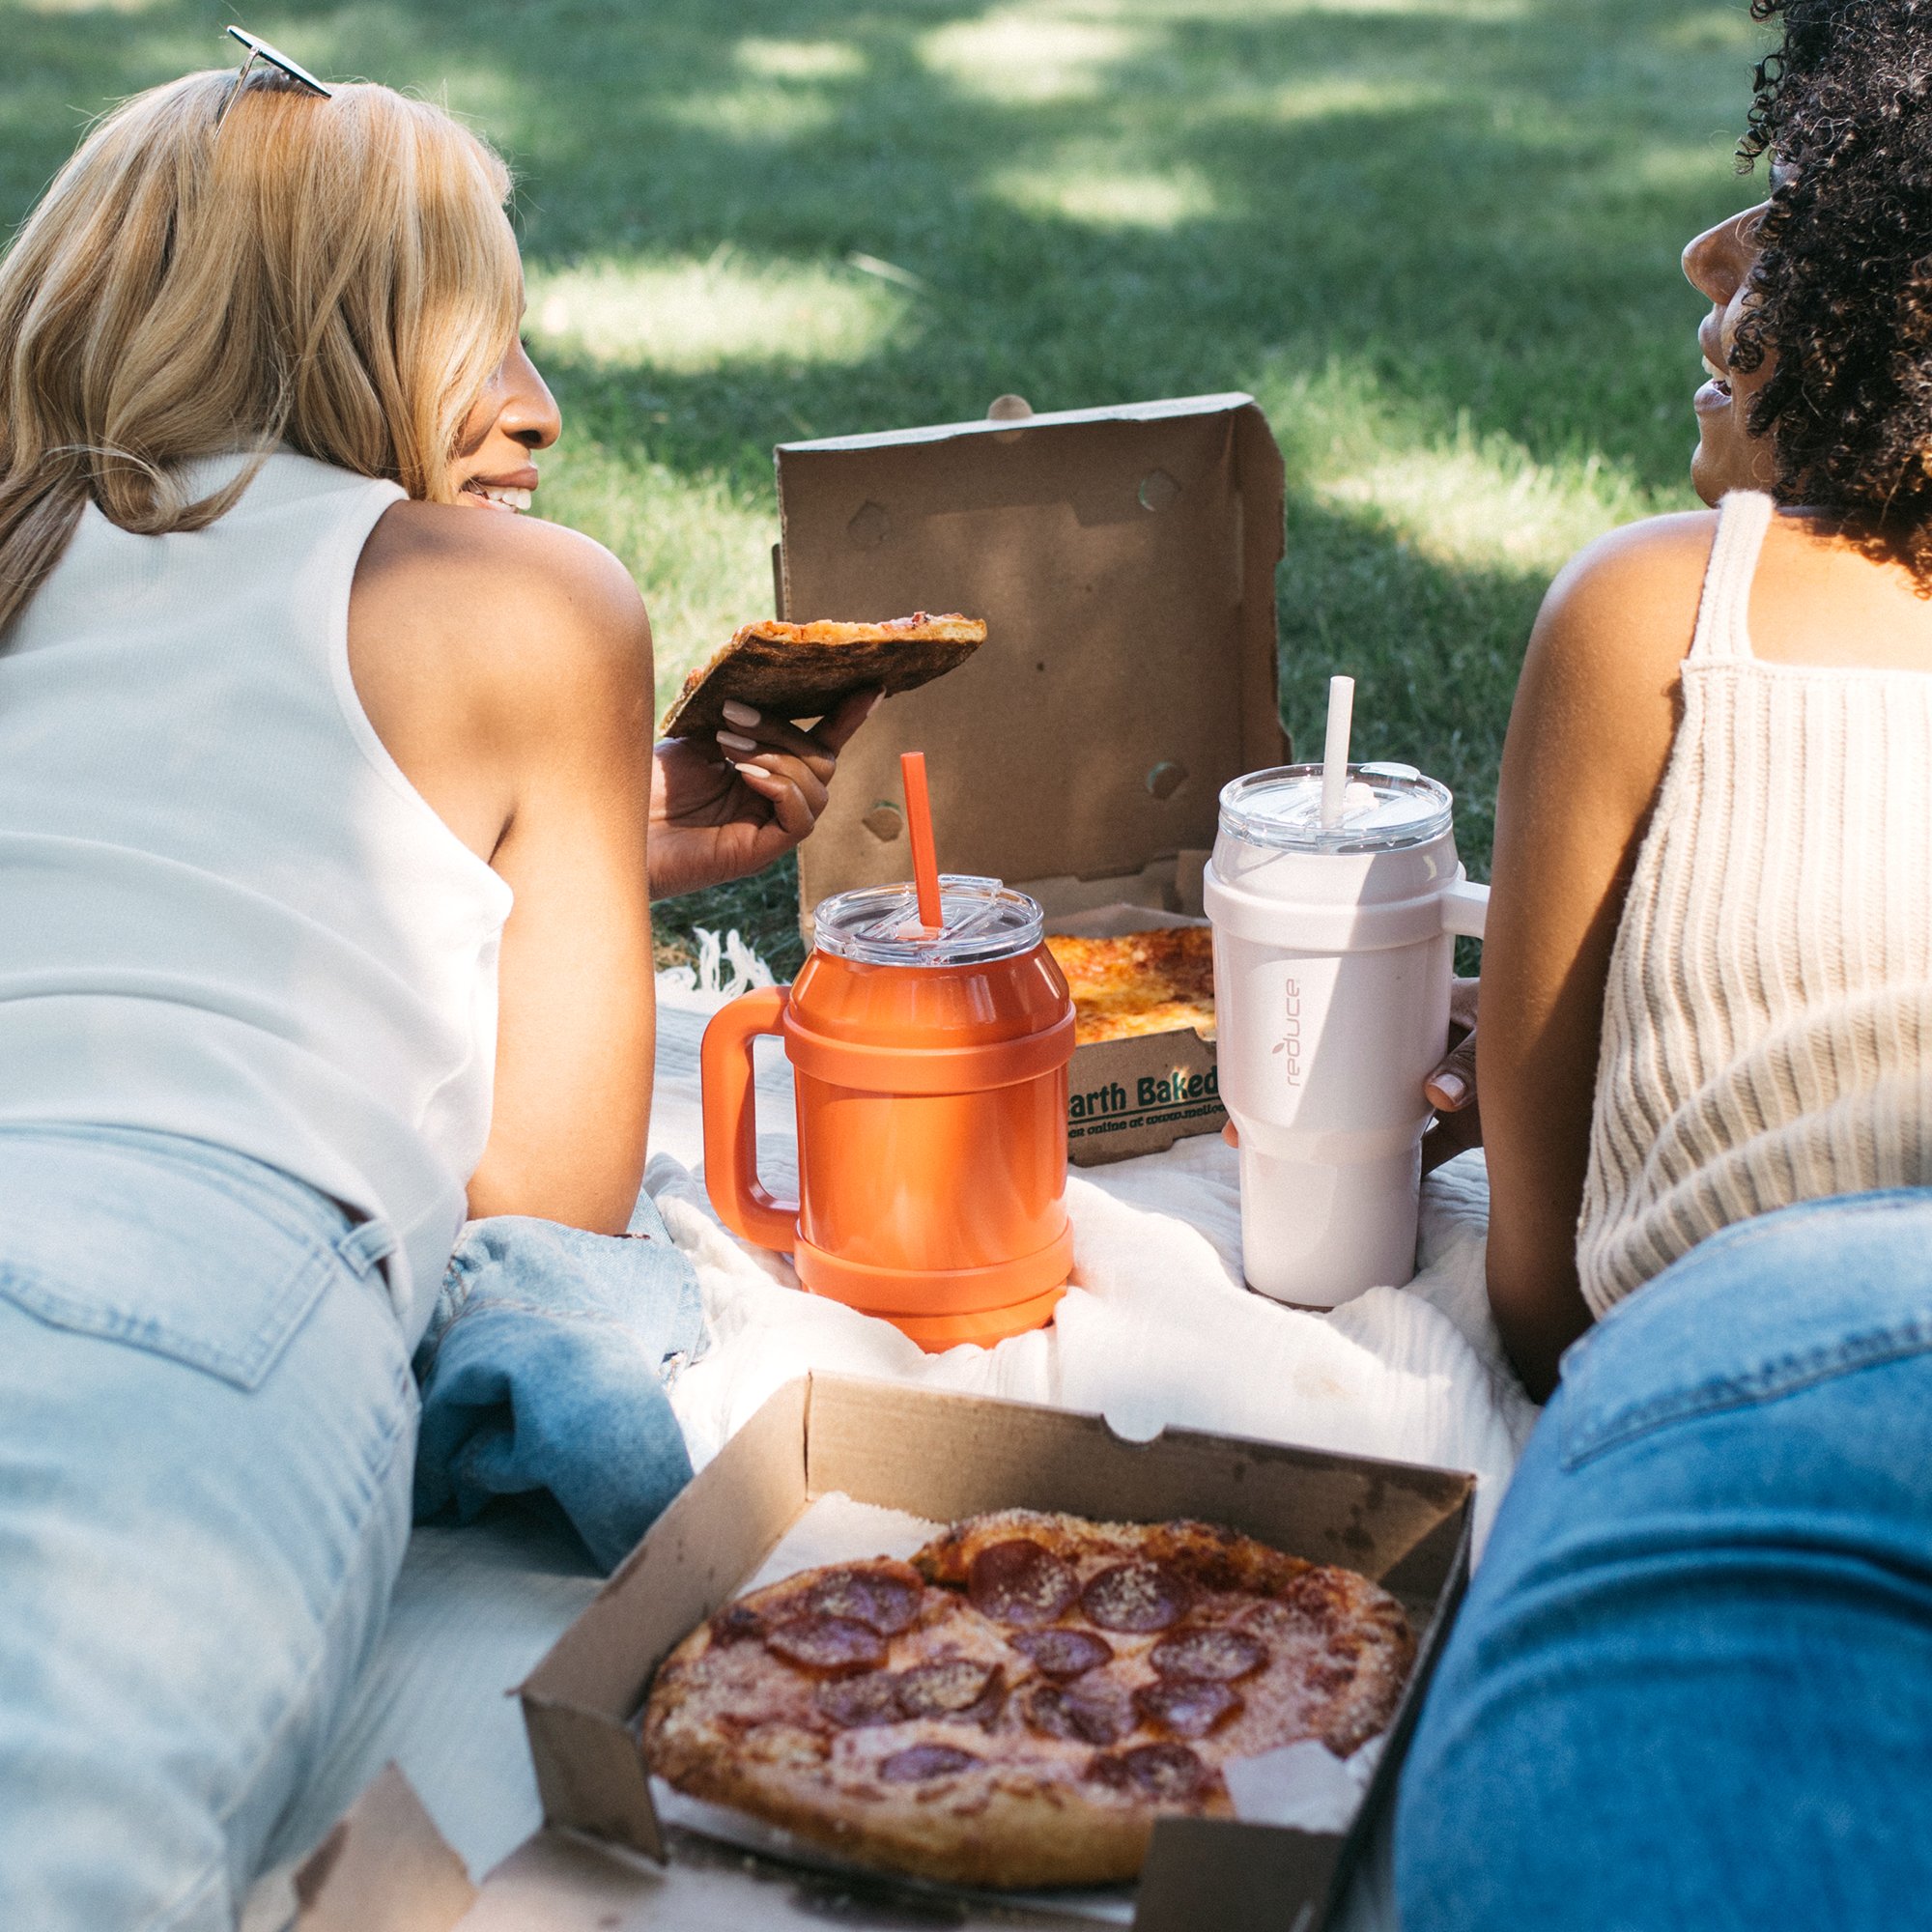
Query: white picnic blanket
{"type": "Point", "coordinates": [1156, 1329]}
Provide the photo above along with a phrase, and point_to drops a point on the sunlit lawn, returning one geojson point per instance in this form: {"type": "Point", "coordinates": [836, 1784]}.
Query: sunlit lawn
{"type": "Point", "coordinates": [1436, 238]}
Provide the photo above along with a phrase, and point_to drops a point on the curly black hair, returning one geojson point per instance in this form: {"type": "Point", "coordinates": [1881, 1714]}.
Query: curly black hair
{"type": "Point", "coordinates": [1844, 282]}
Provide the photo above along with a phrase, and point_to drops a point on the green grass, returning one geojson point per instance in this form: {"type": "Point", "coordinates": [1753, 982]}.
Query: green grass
{"type": "Point", "coordinates": [1436, 238]}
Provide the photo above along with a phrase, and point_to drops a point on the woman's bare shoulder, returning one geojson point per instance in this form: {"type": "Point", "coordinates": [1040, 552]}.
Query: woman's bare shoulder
{"type": "Point", "coordinates": [488, 650]}
{"type": "Point", "coordinates": [496, 614]}
{"type": "Point", "coordinates": [1646, 576]}
{"type": "Point", "coordinates": [1618, 620]}
{"type": "Point", "coordinates": [1600, 684]}
{"type": "Point", "coordinates": [487, 573]}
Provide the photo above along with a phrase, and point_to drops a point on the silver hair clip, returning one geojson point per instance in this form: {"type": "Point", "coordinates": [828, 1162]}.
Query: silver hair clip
{"type": "Point", "coordinates": [260, 49]}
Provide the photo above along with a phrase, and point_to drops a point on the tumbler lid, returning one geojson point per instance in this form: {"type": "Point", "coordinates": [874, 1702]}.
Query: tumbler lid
{"type": "Point", "coordinates": [880, 925]}
{"type": "Point", "coordinates": [1385, 809]}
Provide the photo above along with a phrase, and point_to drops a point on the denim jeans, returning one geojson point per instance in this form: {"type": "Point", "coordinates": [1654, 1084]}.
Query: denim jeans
{"type": "Point", "coordinates": [1691, 1684]}
{"type": "Point", "coordinates": [547, 1366]}
{"type": "Point", "coordinates": [206, 1424]}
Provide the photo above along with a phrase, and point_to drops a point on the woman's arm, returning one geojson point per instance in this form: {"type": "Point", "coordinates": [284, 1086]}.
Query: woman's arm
{"type": "Point", "coordinates": [576, 1011]}
{"type": "Point", "coordinates": [506, 665]}
{"type": "Point", "coordinates": [720, 811]}
{"type": "Point", "coordinates": [1589, 738]}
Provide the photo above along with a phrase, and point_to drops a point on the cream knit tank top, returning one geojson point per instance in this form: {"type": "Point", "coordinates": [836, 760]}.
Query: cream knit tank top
{"type": "Point", "coordinates": [1768, 1018]}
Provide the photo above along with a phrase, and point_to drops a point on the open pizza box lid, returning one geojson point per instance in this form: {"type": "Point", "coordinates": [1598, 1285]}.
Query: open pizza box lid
{"type": "Point", "coordinates": [1124, 560]}
{"type": "Point", "coordinates": [605, 1859]}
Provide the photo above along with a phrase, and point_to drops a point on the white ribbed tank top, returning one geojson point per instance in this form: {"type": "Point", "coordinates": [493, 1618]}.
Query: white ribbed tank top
{"type": "Point", "coordinates": [1768, 1017]}
{"type": "Point", "coordinates": [224, 911]}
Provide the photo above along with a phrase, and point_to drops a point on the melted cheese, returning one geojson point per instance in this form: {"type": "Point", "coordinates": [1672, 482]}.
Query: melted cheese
{"type": "Point", "coordinates": [1138, 982]}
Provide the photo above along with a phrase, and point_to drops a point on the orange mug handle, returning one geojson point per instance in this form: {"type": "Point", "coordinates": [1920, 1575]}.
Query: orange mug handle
{"type": "Point", "coordinates": [726, 1083]}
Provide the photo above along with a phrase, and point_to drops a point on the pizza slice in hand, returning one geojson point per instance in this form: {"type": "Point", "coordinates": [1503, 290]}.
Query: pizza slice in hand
{"type": "Point", "coordinates": [802, 671]}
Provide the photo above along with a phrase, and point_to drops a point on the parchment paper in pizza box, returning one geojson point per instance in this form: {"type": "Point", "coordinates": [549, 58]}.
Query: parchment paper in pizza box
{"type": "Point", "coordinates": [1124, 560]}
{"type": "Point", "coordinates": [943, 1457]}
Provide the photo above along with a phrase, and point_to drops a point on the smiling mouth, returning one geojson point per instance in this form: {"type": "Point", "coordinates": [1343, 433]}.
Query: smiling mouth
{"type": "Point", "coordinates": [504, 495]}
{"type": "Point", "coordinates": [1720, 381]}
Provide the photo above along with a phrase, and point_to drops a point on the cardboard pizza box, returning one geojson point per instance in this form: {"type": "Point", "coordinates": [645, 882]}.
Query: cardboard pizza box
{"type": "Point", "coordinates": [1124, 560]}
{"type": "Point", "coordinates": [606, 1859]}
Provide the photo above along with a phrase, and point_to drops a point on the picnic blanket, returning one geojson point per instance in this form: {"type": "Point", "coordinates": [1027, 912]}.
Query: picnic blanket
{"type": "Point", "coordinates": [1155, 1330]}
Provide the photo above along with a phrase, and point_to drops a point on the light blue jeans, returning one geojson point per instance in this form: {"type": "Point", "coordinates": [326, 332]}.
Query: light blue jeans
{"type": "Point", "coordinates": [547, 1367]}
{"type": "Point", "coordinates": [207, 1419]}
{"type": "Point", "coordinates": [1691, 1684]}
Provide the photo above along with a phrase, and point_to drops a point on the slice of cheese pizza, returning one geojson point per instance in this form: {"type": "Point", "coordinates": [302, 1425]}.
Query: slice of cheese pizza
{"type": "Point", "coordinates": [1138, 982]}
{"type": "Point", "coordinates": [803, 670]}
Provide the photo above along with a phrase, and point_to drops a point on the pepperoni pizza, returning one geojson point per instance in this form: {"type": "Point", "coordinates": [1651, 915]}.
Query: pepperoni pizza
{"type": "Point", "coordinates": [1020, 1702]}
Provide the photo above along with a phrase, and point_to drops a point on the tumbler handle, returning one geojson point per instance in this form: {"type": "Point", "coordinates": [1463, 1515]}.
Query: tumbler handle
{"type": "Point", "coordinates": [726, 1081]}
{"type": "Point", "coordinates": [1465, 905]}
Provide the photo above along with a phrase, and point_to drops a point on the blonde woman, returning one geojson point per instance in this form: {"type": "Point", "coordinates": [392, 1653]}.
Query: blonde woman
{"type": "Point", "coordinates": [294, 711]}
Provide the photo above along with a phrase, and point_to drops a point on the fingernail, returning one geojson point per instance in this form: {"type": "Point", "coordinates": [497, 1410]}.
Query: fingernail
{"type": "Point", "coordinates": [740, 714]}
{"type": "Point", "coordinates": [755, 772]}
{"type": "Point", "coordinates": [731, 741]}
{"type": "Point", "coordinates": [1450, 1089]}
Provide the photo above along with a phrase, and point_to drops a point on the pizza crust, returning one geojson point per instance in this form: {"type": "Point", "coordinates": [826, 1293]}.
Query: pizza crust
{"type": "Point", "coordinates": [803, 670]}
{"type": "Point", "coordinates": [954, 1663]}
{"type": "Point", "coordinates": [1216, 1558]}
{"type": "Point", "coordinates": [1001, 1830]}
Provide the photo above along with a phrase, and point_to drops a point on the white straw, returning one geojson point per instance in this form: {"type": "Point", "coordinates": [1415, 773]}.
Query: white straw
{"type": "Point", "coordinates": [1335, 751]}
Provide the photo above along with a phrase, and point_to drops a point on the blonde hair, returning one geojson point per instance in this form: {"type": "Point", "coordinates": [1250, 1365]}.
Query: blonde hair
{"type": "Point", "coordinates": [335, 276]}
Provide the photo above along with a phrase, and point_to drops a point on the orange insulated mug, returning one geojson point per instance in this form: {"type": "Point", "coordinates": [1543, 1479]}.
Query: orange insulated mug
{"type": "Point", "coordinates": [931, 1071]}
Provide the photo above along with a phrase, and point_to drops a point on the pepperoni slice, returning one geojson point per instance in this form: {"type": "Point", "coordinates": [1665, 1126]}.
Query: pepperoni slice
{"type": "Point", "coordinates": [922, 1761]}
{"type": "Point", "coordinates": [735, 1622]}
{"type": "Point", "coordinates": [986, 1708]}
{"type": "Point", "coordinates": [837, 1646]}
{"type": "Point", "coordinates": [1094, 1714]}
{"type": "Point", "coordinates": [854, 1702]}
{"type": "Point", "coordinates": [1018, 1581]}
{"type": "Point", "coordinates": [1063, 1653]}
{"type": "Point", "coordinates": [1215, 1656]}
{"type": "Point", "coordinates": [872, 1594]}
{"type": "Point", "coordinates": [947, 1688]}
{"type": "Point", "coordinates": [1169, 1773]}
{"type": "Point", "coordinates": [991, 1703]}
{"type": "Point", "coordinates": [1190, 1707]}
{"type": "Point", "coordinates": [1330, 1676]}
{"type": "Point", "coordinates": [1135, 1597]}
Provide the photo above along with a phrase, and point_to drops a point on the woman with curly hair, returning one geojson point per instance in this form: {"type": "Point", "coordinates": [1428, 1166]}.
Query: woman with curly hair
{"type": "Point", "coordinates": [1692, 1681]}
{"type": "Point", "coordinates": [330, 820]}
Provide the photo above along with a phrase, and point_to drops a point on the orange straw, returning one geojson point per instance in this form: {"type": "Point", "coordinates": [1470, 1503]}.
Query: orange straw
{"type": "Point", "coordinates": [919, 828]}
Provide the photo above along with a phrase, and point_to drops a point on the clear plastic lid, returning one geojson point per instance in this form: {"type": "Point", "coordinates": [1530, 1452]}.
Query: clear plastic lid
{"type": "Point", "coordinates": [880, 925]}
{"type": "Point", "coordinates": [1385, 809]}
